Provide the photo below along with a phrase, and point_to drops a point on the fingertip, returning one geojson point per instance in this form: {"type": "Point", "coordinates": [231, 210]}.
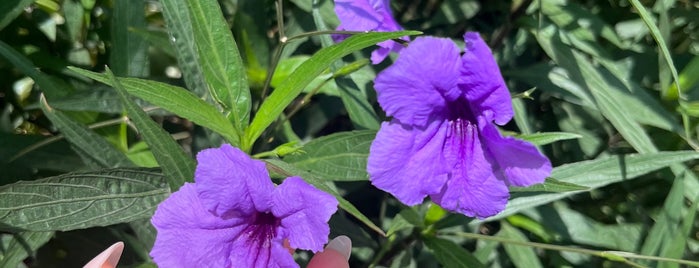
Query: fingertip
{"type": "Point", "coordinates": [109, 258]}
{"type": "Point", "coordinates": [328, 258]}
{"type": "Point", "coordinates": [342, 244]}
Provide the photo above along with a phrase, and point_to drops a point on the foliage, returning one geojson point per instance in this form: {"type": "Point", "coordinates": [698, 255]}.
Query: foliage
{"type": "Point", "coordinates": [608, 90]}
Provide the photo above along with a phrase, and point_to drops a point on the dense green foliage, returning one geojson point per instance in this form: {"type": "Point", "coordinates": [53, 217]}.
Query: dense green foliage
{"type": "Point", "coordinates": [608, 90]}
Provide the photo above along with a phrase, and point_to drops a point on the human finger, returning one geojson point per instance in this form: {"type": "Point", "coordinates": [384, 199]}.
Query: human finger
{"type": "Point", "coordinates": [335, 255]}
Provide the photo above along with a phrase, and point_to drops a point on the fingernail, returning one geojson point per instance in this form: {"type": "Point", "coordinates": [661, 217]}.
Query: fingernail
{"type": "Point", "coordinates": [342, 244]}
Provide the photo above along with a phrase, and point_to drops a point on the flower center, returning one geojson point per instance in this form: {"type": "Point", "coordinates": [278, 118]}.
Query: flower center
{"type": "Point", "coordinates": [460, 110]}
{"type": "Point", "coordinates": [262, 229]}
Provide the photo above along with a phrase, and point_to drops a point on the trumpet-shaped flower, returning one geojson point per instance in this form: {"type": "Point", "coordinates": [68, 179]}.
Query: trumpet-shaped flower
{"type": "Point", "coordinates": [442, 141]}
{"type": "Point", "coordinates": [234, 216]}
{"type": "Point", "coordinates": [369, 15]}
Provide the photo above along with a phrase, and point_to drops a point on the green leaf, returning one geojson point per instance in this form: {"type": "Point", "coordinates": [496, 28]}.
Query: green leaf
{"type": "Point", "coordinates": [179, 26]}
{"type": "Point", "coordinates": [668, 236]}
{"type": "Point", "coordinates": [551, 185]}
{"type": "Point", "coordinates": [407, 218]}
{"type": "Point", "coordinates": [521, 256]}
{"type": "Point", "coordinates": [51, 86]}
{"type": "Point", "coordinates": [275, 104]}
{"type": "Point", "coordinates": [81, 200]}
{"type": "Point", "coordinates": [687, 79]}
{"type": "Point", "coordinates": [157, 38]}
{"type": "Point", "coordinates": [584, 73]}
{"type": "Point", "coordinates": [177, 166]}
{"type": "Point", "coordinates": [352, 89]}
{"type": "Point", "coordinates": [174, 99]}
{"type": "Point", "coordinates": [340, 156]}
{"type": "Point", "coordinates": [220, 60]}
{"type": "Point", "coordinates": [570, 225]}
{"type": "Point", "coordinates": [96, 147]}
{"type": "Point", "coordinates": [655, 33]}
{"type": "Point", "coordinates": [450, 254]}
{"type": "Point", "coordinates": [20, 246]}
{"type": "Point", "coordinates": [548, 137]}
{"type": "Point", "coordinates": [10, 9]}
{"type": "Point", "coordinates": [286, 169]}
{"type": "Point", "coordinates": [597, 173]}
{"type": "Point", "coordinates": [129, 54]}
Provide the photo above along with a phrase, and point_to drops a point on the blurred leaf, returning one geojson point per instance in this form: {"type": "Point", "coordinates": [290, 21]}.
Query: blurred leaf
{"type": "Point", "coordinates": [10, 9]}
{"type": "Point", "coordinates": [275, 104]}
{"type": "Point", "coordinates": [521, 256]}
{"type": "Point", "coordinates": [157, 38]}
{"type": "Point", "coordinates": [179, 26]}
{"type": "Point", "coordinates": [129, 54]}
{"type": "Point", "coordinates": [570, 225]}
{"type": "Point", "coordinates": [450, 254]}
{"type": "Point", "coordinates": [405, 219]}
{"type": "Point", "coordinates": [597, 173]}
{"type": "Point", "coordinates": [96, 147]}
{"type": "Point", "coordinates": [667, 232]}
{"type": "Point", "coordinates": [220, 61]}
{"type": "Point", "coordinates": [340, 156]}
{"type": "Point", "coordinates": [548, 137]}
{"type": "Point", "coordinates": [177, 166]}
{"type": "Point", "coordinates": [687, 79]}
{"type": "Point", "coordinates": [550, 185]}
{"type": "Point", "coordinates": [74, 14]}
{"type": "Point", "coordinates": [655, 33]}
{"type": "Point", "coordinates": [51, 86]}
{"type": "Point", "coordinates": [20, 246]}
{"type": "Point", "coordinates": [285, 169]}
{"type": "Point", "coordinates": [174, 99]}
{"type": "Point", "coordinates": [584, 24]}
{"type": "Point", "coordinates": [584, 73]}
{"type": "Point", "coordinates": [81, 200]}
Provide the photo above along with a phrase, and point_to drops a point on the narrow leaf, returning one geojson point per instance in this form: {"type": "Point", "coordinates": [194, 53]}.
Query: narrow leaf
{"type": "Point", "coordinates": [179, 27]}
{"type": "Point", "coordinates": [129, 54]}
{"type": "Point", "coordinates": [339, 157]}
{"type": "Point", "coordinates": [96, 147]}
{"type": "Point", "coordinates": [597, 173]}
{"type": "Point", "coordinates": [548, 137]}
{"type": "Point", "coordinates": [551, 185]}
{"type": "Point", "coordinates": [174, 99]}
{"type": "Point", "coordinates": [285, 169]}
{"type": "Point", "coordinates": [655, 33]}
{"type": "Point", "coordinates": [275, 104]}
{"type": "Point", "coordinates": [177, 166]}
{"type": "Point", "coordinates": [220, 60]}
{"type": "Point", "coordinates": [81, 200]}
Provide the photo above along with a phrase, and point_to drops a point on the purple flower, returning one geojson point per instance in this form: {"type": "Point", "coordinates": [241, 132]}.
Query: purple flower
{"type": "Point", "coordinates": [234, 216]}
{"type": "Point", "coordinates": [442, 141]}
{"type": "Point", "coordinates": [369, 15]}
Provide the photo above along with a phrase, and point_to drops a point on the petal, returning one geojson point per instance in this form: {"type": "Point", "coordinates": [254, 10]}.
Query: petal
{"type": "Point", "coordinates": [357, 15]}
{"type": "Point", "coordinates": [407, 161]}
{"type": "Point", "coordinates": [272, 255]}
{"type": "Point", "coordinates": [482, 82]}
{"type": "Point", "coordinates": [472, 189]}
{"type": "Point", "coordinates": [304, 212]}
{"type": "Point", "coordinates": [519, 162]}
{"type": "Point", "coordinates": [188, 235]}
{"type": "Point", "coordinates": [229, 182]}
{"type": "Point", "coordinates": [413, 88]}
